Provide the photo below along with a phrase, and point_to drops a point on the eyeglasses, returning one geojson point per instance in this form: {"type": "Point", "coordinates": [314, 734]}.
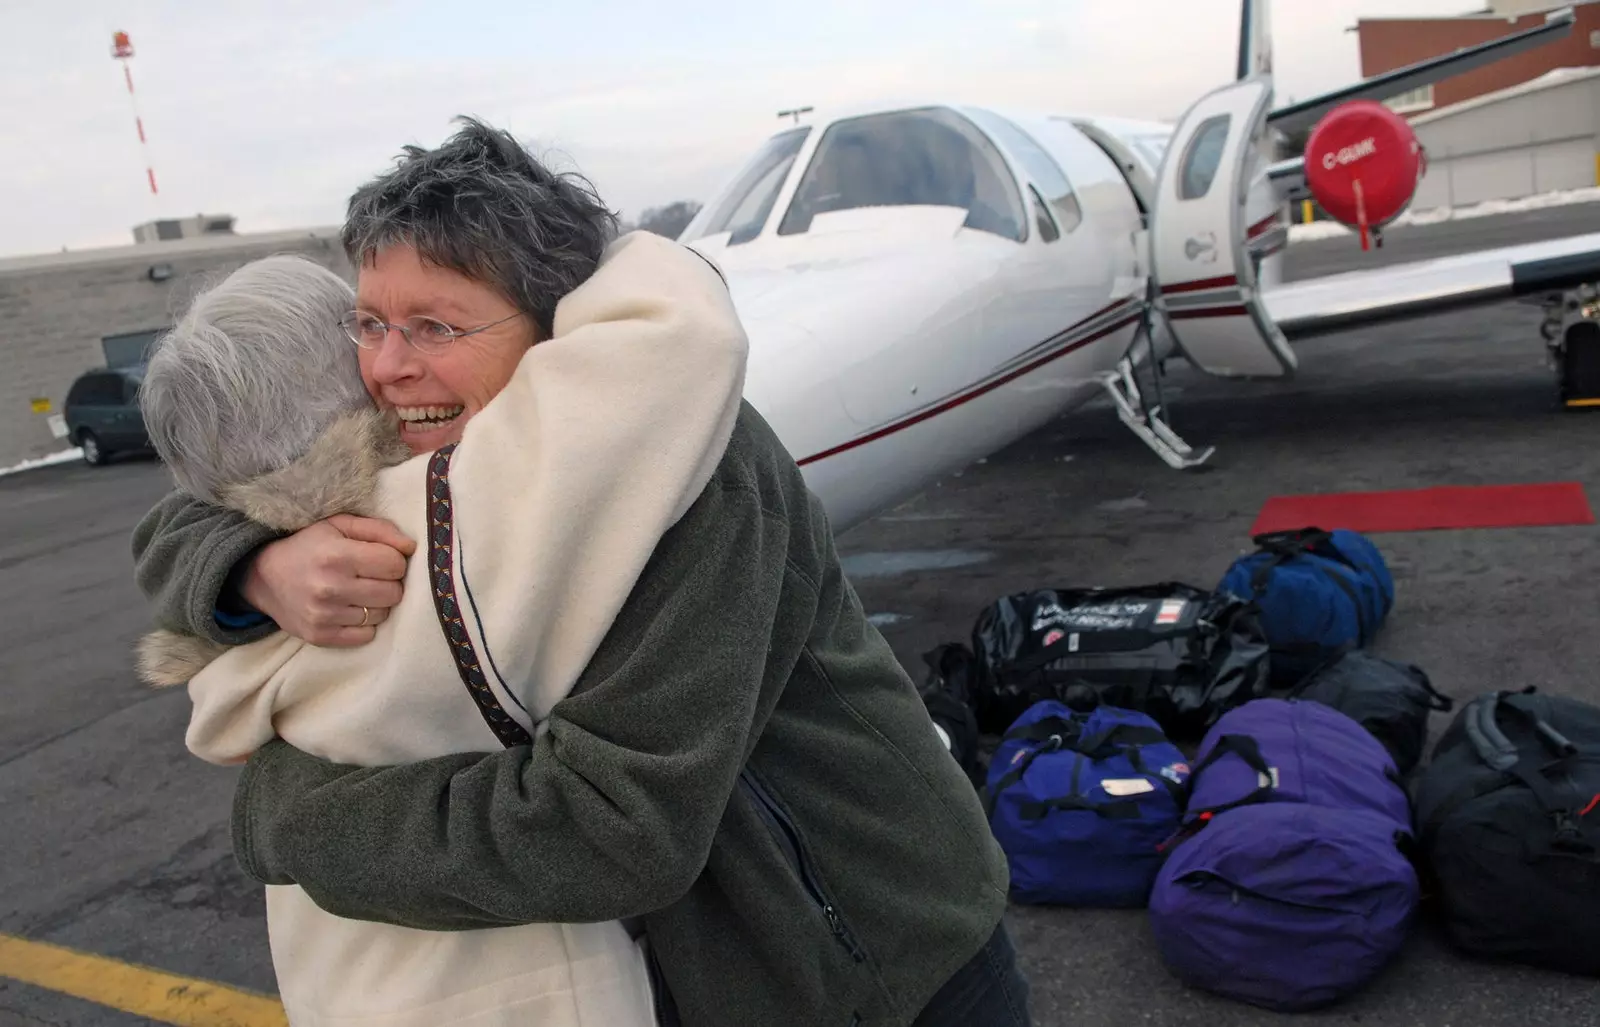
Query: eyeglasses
{"type": "Point", "coordinates": [426, 334]}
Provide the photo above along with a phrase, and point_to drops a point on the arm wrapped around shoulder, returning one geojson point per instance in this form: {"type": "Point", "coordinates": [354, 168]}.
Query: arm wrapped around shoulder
{"type": "Point", "coordinates": [612, 811]}
{"type": "Point", "coordinates": [564, 484]}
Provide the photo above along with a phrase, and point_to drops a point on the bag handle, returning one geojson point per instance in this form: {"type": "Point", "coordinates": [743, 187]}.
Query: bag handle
{"type": "Point", "coordinates": [1291, 541]}
{"type": "Point", "coordinates": [1282, 546]}
{"type": "Point", "coordinates": [1247, 749]}
{"type": "Point", "coordinates": [1497, 751]}
{"type": "Point", "coordinates": [1436, 699]}
{"type": "Point", "coordinates": [1118, 809]}
{"type": "Point", "coordinates": [1118, 736]}
{"type": "Point", "coordinates": [1036, 809]}
{"type": "Point", "coordinates": [1242, 746]}
{"type": "Point", "coordinates": [1500, 753]}
{"type": "Point", "coordinates": [1054, 730]}
{"type": "Point", "coordinates": [1063, 734]}
{"type": "Point", "coordinates": [1054, 725]}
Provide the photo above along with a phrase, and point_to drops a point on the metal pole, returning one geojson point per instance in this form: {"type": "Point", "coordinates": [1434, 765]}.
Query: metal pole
{"type": "Point", "coordinates": [122, 50]}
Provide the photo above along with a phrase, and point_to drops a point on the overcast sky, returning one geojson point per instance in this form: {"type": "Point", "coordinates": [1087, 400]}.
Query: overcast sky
{"type": "Point", "coordinates": [274, 110]}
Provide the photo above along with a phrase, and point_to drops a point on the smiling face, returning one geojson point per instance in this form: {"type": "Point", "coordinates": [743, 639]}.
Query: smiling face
{"type": "Point", "coordinates": [435, 394]}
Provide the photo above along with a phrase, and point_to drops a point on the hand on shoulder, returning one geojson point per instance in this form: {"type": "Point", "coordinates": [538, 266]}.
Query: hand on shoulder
{"type": "Point", "coordinates": [333, 582]}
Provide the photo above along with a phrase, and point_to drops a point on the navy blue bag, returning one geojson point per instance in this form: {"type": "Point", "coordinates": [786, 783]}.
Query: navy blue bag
{"type": "Point", "coordinates": [1081, 802]}
{"type": "Point", "coordinates": [1318, 592]}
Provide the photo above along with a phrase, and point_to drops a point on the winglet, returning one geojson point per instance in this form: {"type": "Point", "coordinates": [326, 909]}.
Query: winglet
{"type": "Point", "coordinates": [1255, 38]}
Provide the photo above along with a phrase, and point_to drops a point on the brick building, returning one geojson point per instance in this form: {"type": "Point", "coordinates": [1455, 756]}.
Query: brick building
{"type": "Point", "coordinates": [1390, 43]}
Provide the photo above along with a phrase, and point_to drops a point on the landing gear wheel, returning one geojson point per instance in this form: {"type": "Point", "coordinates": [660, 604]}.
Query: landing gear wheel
{"type": "Point", "coordinates": [1579, 366]}
{"type": "Point", "coordinates": [93, 455]}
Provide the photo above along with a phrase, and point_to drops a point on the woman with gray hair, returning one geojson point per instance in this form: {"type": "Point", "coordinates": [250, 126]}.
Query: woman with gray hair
{"type": "Point", "coordinates": [742, 764]}
{"type": "Point", "coordinates": [257, 402]}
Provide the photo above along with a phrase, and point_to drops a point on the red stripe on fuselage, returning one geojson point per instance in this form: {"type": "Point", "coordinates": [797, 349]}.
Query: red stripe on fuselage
{"type": "Point", "coordinates": [966, 397]}
{"type": "Point", "coordinates": [1205, 283]}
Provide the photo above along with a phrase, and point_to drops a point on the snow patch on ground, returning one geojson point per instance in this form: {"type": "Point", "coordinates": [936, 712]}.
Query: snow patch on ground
{"type": "Point", "coordinates": [1435, 215]}
{"type": "Point", "coordinates": [63, 457]}
{"type": "Point", "coordinates": [1316, 230]}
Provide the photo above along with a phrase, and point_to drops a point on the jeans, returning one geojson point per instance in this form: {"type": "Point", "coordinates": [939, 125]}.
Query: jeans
{"type": "Point", "coordinates": [989, 991]}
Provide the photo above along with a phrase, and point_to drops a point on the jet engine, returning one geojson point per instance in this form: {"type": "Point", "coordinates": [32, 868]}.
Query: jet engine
{"type": "Point", "coordinates": [1363, 163]}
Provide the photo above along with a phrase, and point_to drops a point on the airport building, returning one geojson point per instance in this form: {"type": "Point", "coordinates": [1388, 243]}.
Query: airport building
{"type": "Point", "coordinates": [1535, 137]}
{"type": "Point", "coordinates": [1522, 126]}
{"type": "Point", "coordinates": [1390, 43]}
{"type": "Point", "coordinates": [65, 313]}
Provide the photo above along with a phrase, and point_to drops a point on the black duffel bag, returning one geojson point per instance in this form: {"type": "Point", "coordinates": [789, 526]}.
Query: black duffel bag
{"type": "Point", "coordinates": [1389, 698]}
{"type": "Point", "coordinates": [1180, 654]}
{"type": "Point", "coordinates": [1508, 824]}
{"type": "Point", "coordinates": [947, 694]}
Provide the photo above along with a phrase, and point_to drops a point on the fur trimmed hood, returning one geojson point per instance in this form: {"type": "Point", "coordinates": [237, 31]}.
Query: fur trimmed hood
{"type": "Point", "coordinates": [338, 474]}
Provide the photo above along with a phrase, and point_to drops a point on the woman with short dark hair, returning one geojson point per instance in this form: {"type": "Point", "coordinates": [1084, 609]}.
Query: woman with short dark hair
{"type": "Point", "coordinates": [742, 764]}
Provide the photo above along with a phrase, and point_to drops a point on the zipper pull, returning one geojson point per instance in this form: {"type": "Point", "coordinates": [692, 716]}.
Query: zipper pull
{"type": "Point", "coordinates": [840, 932]}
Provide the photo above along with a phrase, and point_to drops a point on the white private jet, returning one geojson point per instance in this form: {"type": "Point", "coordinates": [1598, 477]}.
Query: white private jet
{"type": "Point", "coordinates": [925, 284]}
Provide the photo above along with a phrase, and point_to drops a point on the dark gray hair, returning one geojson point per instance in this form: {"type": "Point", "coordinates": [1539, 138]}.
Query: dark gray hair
{"type": "Point", "coordinates": [253, 373]}
{"type": "Point", "coordinates": [480, 204]}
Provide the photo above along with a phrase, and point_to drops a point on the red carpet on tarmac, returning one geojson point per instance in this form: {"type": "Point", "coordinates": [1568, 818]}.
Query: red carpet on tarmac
{"type": "Point", "coordinates": [1447, 507]}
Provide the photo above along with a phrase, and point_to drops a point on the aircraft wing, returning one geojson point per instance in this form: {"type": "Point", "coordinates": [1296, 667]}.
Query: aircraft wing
{"type": "Point", "coordinates": [1333, 303]}
{"type": "Point", "coordinates": [1303, 115]}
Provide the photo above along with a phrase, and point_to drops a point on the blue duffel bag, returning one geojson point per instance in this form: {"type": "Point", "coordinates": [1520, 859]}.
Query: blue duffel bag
{"type": "Point", "coordinates": [1081, 803]}
{"type": "Point", "coordinates": [1319, 593]}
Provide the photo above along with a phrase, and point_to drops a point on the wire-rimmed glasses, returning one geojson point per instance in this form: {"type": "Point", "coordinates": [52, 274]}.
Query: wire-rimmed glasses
{"type": "Point", "coordinates": [426, 334]}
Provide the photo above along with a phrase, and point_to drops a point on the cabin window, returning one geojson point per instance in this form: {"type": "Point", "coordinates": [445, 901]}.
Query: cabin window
{"type": "Point", "coordinates": [1041, 217]}
{"type": "Point", "coordinates": [926, 157]}
{"type": "Point", "coordinates": [1041, 167]}
{"type": "Point", "coordinates": [744, 206]}
{"type": "Point", "coordinates": [1202, 157]}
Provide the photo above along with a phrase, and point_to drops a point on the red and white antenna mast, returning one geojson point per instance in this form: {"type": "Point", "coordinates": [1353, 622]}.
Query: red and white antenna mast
{"type": "Point", "coordinates": [122, 49]}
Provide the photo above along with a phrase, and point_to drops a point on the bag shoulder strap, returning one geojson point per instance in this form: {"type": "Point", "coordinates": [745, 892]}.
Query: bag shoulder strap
{"type": "Point", "coordinates": [441, 538]}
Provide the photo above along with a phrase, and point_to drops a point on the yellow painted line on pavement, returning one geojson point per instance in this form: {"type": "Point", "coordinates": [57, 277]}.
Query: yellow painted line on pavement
{"type": "Point", "coordinates": [140, 990]}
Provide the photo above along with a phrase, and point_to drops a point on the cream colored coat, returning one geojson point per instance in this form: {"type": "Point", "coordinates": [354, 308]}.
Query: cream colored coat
{"type": "Point", "coordinates": [561, 487]}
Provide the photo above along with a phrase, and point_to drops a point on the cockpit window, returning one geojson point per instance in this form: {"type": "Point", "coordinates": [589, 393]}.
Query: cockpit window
{"type": "Point", "coordinates": [743, 208]}
{"type": "Point", "coordinates": [1202, 157]}
{"type": "Point", "coordinates": [1041, 167]}
{"type": "Point", "coordinates": [929, 157]}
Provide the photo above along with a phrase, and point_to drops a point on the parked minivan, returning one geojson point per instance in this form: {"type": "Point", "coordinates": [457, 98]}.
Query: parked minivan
{"type": "Point", "coordinates": [102, 413]}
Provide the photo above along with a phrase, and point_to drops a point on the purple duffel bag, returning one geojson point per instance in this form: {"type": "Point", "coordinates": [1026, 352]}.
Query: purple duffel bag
{"type": "Point", "coordinates": [1290, 886]}
{"type": "Point", "coordinates": [1315, 754]}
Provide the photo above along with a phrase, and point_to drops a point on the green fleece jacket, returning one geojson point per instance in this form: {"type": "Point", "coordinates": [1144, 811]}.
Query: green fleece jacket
{"type": "Point", "coordinates": [744, 764]}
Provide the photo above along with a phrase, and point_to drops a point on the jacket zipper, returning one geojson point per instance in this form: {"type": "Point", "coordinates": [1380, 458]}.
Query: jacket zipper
{"type": "Point", "coordinates": [789, 838]}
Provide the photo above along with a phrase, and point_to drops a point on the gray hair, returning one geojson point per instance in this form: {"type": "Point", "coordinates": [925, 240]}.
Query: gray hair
{"type": "Point", "coordinates": [481, 205]}
{"type": "Point", "coordinates": [254, 372]}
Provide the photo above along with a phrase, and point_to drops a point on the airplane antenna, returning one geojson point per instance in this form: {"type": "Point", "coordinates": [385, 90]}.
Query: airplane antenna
{"type": "Point", "coordinates": [795, 113]}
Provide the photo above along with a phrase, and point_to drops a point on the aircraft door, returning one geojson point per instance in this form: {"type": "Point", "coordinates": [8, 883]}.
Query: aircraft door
{"type": "Point", "coordinates": [1213, 220]}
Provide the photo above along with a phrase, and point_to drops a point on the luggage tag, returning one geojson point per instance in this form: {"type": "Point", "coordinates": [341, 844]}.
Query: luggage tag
{"type": "Point", "coordinates": [1121, 786]}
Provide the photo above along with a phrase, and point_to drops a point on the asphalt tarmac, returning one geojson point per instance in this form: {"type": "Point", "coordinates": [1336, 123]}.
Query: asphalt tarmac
{"type": "Point", "coordinates": [115, 838]}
